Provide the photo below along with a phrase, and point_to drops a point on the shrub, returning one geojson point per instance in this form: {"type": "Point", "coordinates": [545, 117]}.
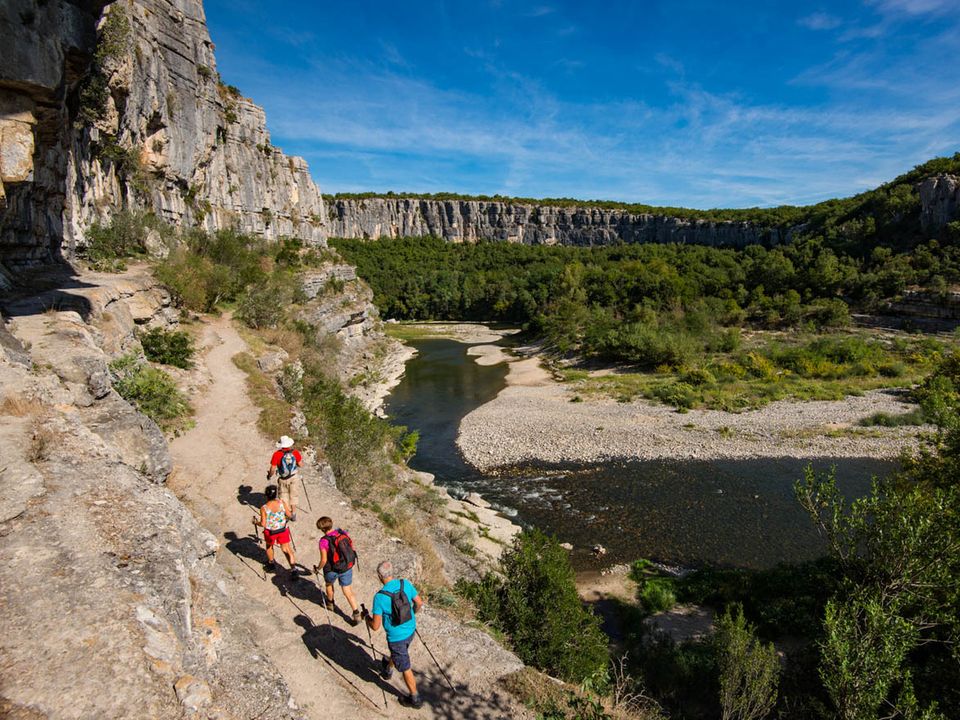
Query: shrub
{"type": "Point", "coordinates": [535, 604]}
{"type": "Point", "coordinates": [679, 394]}
{"type": "Point", "coordinates": [698, 377]}
{"type": "Point", "coordinates": [261, 306]}
{"type": "Point", "coordinates": [152, 391]}
{"type": "Point", "coordinates": [169, 348]}
{"type": "Point", "coordinates": [124, 237]}
{"type": "Point", "coordinates": [749, 670]}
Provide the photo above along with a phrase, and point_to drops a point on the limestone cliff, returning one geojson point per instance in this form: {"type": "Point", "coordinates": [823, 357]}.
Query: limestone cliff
{"type": "Point", "coordinates": [104, 106]}
{"type": "Point", "coordinates": [472, 220]}
{"type": "Point", "coordinates": [940, 201]}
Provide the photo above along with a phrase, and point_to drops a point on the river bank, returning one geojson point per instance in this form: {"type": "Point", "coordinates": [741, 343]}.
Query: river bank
{"type": "Point", "coordinates": [537, 419]}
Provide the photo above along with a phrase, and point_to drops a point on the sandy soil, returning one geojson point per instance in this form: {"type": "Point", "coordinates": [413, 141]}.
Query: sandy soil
{"type": "Point", "coordinates": [324, 660]}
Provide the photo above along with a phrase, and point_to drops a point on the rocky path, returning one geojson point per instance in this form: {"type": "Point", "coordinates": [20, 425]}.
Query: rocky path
{"type": "Point", "coordinates": [219, 474]}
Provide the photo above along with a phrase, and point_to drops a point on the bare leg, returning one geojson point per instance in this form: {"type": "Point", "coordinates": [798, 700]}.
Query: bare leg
{"type": "Point", "coordinates": [348, 594]}
{"type": "Point", "coordinates": [410, 680]}
{"type": "Point", "coordinates": [269, 553]}
{"type": "Point", "coordinates": [288, 551]}
{"type": "Point", "coordinates": [329, 592]}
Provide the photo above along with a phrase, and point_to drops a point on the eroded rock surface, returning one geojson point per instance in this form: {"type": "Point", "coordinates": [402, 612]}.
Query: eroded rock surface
{"type": "Point", "coordinates": [472, 220]}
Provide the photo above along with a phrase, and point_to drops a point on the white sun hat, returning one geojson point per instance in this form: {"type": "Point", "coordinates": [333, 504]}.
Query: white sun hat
{"type": "Point", "coordinates": [285, 442]}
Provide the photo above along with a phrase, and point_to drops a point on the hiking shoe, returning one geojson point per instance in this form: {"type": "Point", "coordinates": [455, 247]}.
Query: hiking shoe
{"type": "Point", "coordinates": [294, 572]}
{"type": "Point", "coordinates": [412, 701]}
{"type": "Point", "coordinates": [270, 567]}
{"type": "Point", "coordinates": [293, 518]}
{"type": "Point", "coordinates": [355, 620]}
{"type": "Point", "coordinates": [386, 672]}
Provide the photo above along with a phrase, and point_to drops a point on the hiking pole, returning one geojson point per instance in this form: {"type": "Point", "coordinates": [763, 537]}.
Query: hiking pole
{"type": "Point", "coordinates": [373, 651]}
{"type": "Point", "coordinates": [323, 598]}
{"type": "Point", "coordinates": [305, 493]}
{"type": "Point", "coordinates": [417, 631]}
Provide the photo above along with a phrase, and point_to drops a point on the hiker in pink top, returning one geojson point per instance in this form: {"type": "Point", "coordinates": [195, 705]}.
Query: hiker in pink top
{"type": "Point", "coordinates": [337, 558]}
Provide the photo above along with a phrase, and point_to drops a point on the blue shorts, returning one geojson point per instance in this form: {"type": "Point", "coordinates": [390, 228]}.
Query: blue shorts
{"type": "Point", "coordinates": [345, 578]}
{"type": "Point", "coordinates": [400, 653]}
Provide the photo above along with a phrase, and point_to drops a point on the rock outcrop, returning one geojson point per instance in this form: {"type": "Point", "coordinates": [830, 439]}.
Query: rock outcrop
{"type": "Point", "coordinates": [939, 201]}
{"type": "Point", "coordinates": [472, 220]}
{"type": "Point", "coordinates": [104, 106]}
{"type": "Point", "coordinates": [114, 604]}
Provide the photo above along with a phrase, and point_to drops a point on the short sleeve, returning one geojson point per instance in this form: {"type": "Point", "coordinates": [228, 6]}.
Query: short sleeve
{"type": "Point", "coordinates": [275, 458]}
{"type": "Point", "coordinates": [411, 590]}
{"type": "Point", "coordinates": [381, 604]}
{"type": "Point", "coordinates": [324, 544]}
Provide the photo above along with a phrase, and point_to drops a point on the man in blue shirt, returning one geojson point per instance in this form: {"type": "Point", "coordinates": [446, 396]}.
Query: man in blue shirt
{"type": "Point", "coordinates": [399, 635]}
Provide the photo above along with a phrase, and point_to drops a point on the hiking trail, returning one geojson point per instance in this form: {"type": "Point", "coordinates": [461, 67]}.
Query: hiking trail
{"type": "Point", "coordinates": [220, 468]}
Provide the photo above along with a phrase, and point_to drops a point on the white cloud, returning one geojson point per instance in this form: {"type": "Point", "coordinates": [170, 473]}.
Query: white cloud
{"type": "Point", "coordinates": [820, 21]}
{"type": "Point", "coordinates": [915, 7]}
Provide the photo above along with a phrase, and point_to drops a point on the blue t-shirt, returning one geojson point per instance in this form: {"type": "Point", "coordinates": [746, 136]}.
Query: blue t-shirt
{"type": "Point", "coordinates": [382, 605]}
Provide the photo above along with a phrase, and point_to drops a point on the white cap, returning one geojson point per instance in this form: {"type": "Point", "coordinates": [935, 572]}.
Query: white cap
{"type": "Point", "coordinates": [285, 442]}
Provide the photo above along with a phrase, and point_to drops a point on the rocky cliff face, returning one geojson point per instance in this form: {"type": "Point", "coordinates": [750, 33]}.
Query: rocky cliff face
{"type": "Point", "coordinates": [472, 220]}
{"type": "Point", "coordinates": [104, 106]}
{"type": "Point", "coordinates": [939, 201]}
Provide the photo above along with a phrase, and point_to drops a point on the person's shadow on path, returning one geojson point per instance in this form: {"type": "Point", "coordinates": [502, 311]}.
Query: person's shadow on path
{"type": "Point", "coordinates": [247, 496]}
{"type": "Point", "coordinates": [347, 655]}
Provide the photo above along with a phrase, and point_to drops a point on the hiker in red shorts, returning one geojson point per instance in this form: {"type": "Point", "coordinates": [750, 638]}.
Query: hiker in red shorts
{"type": "Point", "coordinates": [274, 514]}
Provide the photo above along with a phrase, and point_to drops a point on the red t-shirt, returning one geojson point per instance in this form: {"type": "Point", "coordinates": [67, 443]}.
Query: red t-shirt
{"type": "Point", "coordinates": [275, 459]}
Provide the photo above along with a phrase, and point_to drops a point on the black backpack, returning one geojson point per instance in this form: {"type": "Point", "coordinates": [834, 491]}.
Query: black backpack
{"type": "Point", "coordinates": [401, 609]}
{"type": "Point", "coordinates": [341, 556]}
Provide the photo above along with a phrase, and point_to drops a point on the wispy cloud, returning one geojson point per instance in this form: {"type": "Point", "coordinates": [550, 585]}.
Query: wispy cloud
{"type": "Point", "coordinates": [820, 21]}
{"type": "Point", "coordinates": [916, 7]}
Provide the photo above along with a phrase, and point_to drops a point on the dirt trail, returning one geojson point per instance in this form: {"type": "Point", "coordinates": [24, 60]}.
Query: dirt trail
{"type": "Point", "coordinates": [221, 464]}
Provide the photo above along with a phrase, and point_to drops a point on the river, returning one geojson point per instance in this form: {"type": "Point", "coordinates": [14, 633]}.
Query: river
{"type": "Point", "coordinates": [737, 513]}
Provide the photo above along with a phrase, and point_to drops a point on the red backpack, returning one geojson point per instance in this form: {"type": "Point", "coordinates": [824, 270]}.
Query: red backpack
{"type": "Point", "coordinates": [341, 555]}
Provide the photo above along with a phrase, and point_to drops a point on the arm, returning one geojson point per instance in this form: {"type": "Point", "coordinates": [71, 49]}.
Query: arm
{"type": "Point", "coordinates": [263, 517]}
{"type": "Point", "coordinates": [417, 604]}
{"type": "Point", "coordinates": [286, 510]}
{"type": "Point", "coordinates": [374, 622]}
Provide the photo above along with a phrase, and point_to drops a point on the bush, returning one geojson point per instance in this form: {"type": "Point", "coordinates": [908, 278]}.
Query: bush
{"type": "Point", "coordinates": [124, 237]}
{"type": "Point", "coordinates": [169, 348]}
{"type": "Point", "coordinates": [749, 670]}
{"type": "Point", "coordinates": [152, 391]}
{"type": "Point", "coordinates": [655, 594]}
{"type": "Point", "coordinates": [535, 604]}
{"type": "Point", "coordinates": [679, 394]}
{"type": "Point", "coordinates": [698, 377]}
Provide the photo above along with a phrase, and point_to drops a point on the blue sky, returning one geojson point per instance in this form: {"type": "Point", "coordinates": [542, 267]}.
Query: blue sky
{"type": "Point", "coordinates": [667, 102]}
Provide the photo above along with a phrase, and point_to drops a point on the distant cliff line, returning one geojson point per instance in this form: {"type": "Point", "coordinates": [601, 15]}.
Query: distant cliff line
{"type": "Point", "coordinates": [916, 205]}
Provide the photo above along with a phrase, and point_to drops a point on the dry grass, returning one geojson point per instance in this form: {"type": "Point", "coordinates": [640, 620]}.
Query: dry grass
{"type": "Point", "coordinates": [549, 696]}
{"type": "Point", "coordinates": [40, 445]}
{"type": "Point", "coordinates": [18, 406]}
{"type": "Point", "coordinates": [406, 527]}
{"type": "Point", "coordinates": [275, 413]}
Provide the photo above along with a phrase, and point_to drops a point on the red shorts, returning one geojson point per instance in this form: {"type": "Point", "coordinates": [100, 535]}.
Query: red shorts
{"type": "Point", "coordinates": [278, 537]}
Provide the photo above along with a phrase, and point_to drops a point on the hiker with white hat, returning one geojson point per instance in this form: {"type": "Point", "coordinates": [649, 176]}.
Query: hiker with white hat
{"type": "Point", "coordinates": [285, 463]}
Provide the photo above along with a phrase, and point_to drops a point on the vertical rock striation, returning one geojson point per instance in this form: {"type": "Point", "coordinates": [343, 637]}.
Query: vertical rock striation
{"type": "Point", "coordinates": [939, 201]}
{"type": "Point", "coordinates": [472, 220]}
{"type": "Point", "coordinates": [104, 106]}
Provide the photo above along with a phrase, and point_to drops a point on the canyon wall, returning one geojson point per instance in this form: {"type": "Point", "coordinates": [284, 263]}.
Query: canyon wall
{"type": "Point", "coordinates": [472, 220]}
{"type": "Point", "coordinates": [110, 106]}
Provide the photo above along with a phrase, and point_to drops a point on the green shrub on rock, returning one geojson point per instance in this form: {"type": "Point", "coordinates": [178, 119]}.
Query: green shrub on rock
{"type": "Point", "coordinates": [534, 602]}
{"type": "Point", "coordinates": [152, 391]}
{"type": "Point", "coordinates": [168, 347]}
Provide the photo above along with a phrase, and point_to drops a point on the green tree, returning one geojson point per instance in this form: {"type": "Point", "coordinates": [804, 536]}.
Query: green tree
{"type": "Point", "coordinates": [534, 602]}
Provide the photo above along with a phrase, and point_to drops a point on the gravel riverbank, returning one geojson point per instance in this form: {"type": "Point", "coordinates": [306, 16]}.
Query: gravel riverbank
{"type": "Point", "coordinates": [534, 419]}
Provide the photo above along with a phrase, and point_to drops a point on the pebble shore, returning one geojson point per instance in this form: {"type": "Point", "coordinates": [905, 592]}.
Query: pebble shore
{"type": "Point", "coordinates": [533, 419]}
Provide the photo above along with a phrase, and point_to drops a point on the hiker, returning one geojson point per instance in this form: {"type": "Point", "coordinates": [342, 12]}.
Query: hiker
{"type": "Point", "coordinates": [274, 514]}
{"type": "Point", "coordinates": [337, 558]}
{"type": "Point", "coordinates": [395, 606]}
{"type": "Point", "coordinates": [285, 462]}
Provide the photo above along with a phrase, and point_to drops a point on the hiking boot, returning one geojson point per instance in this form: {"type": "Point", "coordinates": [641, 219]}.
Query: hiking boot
{"type": "Point", "coordinates": [386, 672]}
{"type": "Point", "coordinates": [293, 518]}
{"type": "Point", "coordinates": [270, 567]}
{"type": "Point", "coordinates": [355, 619]}
{"type": "Point", "coordinates": [294, 572]}
{"type": "Point", "coordinates": [412, 701]}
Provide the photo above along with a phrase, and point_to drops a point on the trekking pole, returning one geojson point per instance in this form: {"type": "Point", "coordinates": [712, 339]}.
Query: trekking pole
{"type": "Point", "coordinates": [417, 631]}
{"type": "Point", "coordinates": [373, 651]}
{"type": "Point", "coordinates": [305, 493]}
{"type": "Point", "coordinates": [323, 598]}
